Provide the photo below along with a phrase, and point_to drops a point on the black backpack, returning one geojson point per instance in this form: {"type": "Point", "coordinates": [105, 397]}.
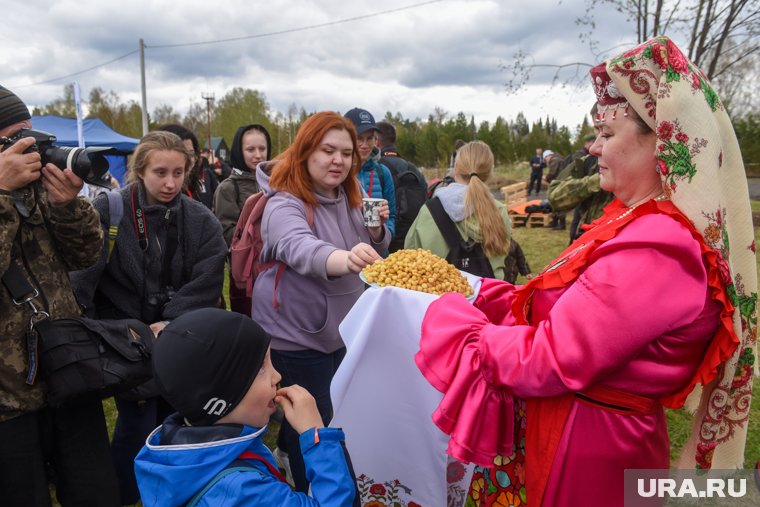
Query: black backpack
{"type": "Point", "coordinates": [411, 194]}
{"type": "Point", "coordinates": [466, 256]}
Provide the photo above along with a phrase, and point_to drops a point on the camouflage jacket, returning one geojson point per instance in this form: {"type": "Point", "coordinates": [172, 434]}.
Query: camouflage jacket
{"type": "Point", "coordinates": [53, 241]}
{"type": "Point", "coordinates": [577, 186]}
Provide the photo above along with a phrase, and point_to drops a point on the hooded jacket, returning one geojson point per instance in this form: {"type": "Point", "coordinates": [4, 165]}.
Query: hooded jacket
{"type": "Point", "coordinates": [231, 193]}
{"type": "Point", "coordinates": [118, 288]}
{"type": "Point", "coordinates": [179, 461]}
{"type": "Point", "coordinates": [377, 181]}
{"type": "Point", "coordinates": [424, 232]}
{"type": "Point", "coordinates": [311, 303]}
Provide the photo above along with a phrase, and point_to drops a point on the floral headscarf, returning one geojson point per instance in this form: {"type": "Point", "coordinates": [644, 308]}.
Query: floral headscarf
{"type": "Point", "coordinates": [702, 172]}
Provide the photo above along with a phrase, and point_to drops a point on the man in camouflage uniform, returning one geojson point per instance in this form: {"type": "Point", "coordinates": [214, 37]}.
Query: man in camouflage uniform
{"type": "Point", "coordinates": [577, 186]}
{"type": "Point", "coordinates": [46, 230]}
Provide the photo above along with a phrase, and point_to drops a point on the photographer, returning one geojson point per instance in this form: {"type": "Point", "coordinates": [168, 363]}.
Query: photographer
{"type": "Point", "coordinates": [167, 258]}
{"type": "Point", "coordinates": [45, 230]}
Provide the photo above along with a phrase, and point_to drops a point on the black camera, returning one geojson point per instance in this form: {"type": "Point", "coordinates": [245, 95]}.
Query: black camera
{"type": "Point", "coordinates": [90, 164]}
{"type": "Point", "coordinates": [156, 301]}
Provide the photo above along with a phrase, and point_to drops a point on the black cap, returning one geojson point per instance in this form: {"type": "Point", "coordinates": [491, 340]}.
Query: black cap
{"type": "Point", "coordinates": [362, 120]}
{"type": "Point", "coordinates": [12, 108]}
{"type": "Point", "coordinates": [205, 361]}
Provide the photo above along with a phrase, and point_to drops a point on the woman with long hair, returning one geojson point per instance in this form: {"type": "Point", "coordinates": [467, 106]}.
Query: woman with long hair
{"type": "Point", "coordinates": [167, 259]}
{"type": "Point", "coordinates": [250, 146]}
{"type": "Point", "coordinates": [481, 221]}
{"type": "Point", "coordinates": [313, 227]}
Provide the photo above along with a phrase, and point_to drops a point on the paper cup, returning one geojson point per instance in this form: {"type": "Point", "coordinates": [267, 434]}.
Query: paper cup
{"type": "Point", "coordinates": [371, 208]}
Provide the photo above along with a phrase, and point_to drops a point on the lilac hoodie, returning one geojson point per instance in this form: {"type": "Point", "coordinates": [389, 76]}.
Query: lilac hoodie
{"type": "Point", "coordinates": [312, 305]}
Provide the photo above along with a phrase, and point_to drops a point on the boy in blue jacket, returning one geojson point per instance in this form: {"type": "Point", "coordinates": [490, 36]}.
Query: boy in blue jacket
{"type": "Point", "coordinates": [214, 367]}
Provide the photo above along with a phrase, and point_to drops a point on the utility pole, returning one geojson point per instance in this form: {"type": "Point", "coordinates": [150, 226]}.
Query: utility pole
{"type": "Point", "coordinates": [142, 84]}
{"type": "Point", "coordinates": [209, 98]}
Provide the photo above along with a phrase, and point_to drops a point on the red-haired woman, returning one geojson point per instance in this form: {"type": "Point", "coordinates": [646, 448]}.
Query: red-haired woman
{"type": "Point", "coordinates": [313, 224]}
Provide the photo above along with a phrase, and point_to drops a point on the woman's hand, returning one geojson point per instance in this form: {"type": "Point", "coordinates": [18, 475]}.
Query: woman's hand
{"type": "Point", "coordinates": [361, 256]}
{"type": "Point", "coordinates": [385, 213]}
{"type": "Point", "coordinates": [299, 408]}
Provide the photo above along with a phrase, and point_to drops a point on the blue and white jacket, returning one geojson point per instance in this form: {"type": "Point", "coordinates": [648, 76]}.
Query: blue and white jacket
{"type": "Point", "coordinates": [379, 187]}
{"type": "Point", "coordinates": [178, 461]}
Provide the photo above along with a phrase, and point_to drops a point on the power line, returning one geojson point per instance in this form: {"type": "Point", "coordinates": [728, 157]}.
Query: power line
{"type": "Point", "coordinates": [299, 29]}
{"type": "Point", "coordinates": [76, 73]}
{"type": "Point", "coordinates": [244, 37]}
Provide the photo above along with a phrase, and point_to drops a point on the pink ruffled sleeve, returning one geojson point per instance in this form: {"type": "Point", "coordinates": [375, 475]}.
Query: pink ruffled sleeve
{"type": "Point", "coordinates": [478, 417]}
{"type": "Point", "coordinates": [640, 285]}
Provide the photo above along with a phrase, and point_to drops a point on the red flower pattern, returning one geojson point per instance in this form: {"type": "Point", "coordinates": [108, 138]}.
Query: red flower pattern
{"type": "Point", "coordinates": [663, 167]}
{"type": "Point", "coordinates": [665, 130]}
{"type": "Point", "coordinates": [454, 472]}
{"type": "Point", "coordinates": [676, 59]}
{"type": "Point", "coordinates": [695, 83]}
{"type": "Point", "coordinates": [682, 137]}
{"type": "Point", "coordinates": [377, 489]}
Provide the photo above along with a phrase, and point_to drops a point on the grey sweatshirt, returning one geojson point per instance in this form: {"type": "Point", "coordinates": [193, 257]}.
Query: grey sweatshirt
{"type": "Point", "coordinates": [312, 305]}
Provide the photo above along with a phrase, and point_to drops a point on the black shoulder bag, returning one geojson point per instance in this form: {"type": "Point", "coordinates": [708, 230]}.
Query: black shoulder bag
{"type": "Point", "coordinates": [78, 355]}
{"type": "Point", "coordinates": [466, 256]}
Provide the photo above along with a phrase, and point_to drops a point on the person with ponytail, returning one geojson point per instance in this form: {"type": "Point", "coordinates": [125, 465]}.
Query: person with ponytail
{"type": "Point", "coordinates": [479, 218]}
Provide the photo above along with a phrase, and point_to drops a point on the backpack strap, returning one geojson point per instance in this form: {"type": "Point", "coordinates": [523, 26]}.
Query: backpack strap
{"type": "Point", "coordinates": [238, 465]}
{"type": "Point", "coordinates": [380, 175]}
{"type": "Point", "coordinates": [445, 224]}
{"type": "Point", "coordinates": [115, 212]}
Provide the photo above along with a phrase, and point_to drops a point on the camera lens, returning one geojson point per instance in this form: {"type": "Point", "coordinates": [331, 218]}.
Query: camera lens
{"type": "Point", "coordinates": [88, 163]}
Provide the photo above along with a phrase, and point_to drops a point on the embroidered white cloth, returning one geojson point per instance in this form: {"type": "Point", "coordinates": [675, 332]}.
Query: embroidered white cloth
{"type": "Point", "coordinates": [384, 404]}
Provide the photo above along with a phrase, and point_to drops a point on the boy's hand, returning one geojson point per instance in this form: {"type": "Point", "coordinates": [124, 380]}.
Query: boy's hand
{"type": "Point", "coordinates": [299, 408]}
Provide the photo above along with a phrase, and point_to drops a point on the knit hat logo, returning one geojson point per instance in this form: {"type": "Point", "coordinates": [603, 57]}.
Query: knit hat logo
{"type": "Point", "coordinates": [215, 406]}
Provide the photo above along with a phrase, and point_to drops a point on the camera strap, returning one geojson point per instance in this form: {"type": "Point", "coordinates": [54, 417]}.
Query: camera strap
{"type": "Point", "coordinates": [141, 225]}
{"type": "Point", "coordinates": [23, 293]}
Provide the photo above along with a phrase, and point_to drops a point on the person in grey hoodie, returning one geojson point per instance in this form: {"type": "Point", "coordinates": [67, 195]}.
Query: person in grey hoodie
{"type": "Point", "coordinates": [167, 259]}
{"type": "Point", "coordinates": [314, 228]}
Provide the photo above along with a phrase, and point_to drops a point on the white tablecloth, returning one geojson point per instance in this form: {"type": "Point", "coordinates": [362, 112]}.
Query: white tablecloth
{"type": "Point", "coordinates": [384, 404]}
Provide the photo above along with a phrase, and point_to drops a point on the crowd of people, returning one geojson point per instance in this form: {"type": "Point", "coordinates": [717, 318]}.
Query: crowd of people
{"type": "Point", "coordinates": [658, 192]}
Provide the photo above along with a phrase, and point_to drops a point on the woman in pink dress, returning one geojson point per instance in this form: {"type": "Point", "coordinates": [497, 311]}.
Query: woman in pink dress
{"type": "Point", "coordinates": [656, 301]}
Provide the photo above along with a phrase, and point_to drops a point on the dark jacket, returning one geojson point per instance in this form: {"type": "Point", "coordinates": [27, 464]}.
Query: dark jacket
{"type": "Point", "coordinates": [123, 287]}
{"type": "Point", "coordinates": [54, 241]}
{"type": "Point", "coordinates": [515, 263]}
{"type": "Point", "coordinates": [411, 192]}
{"type": "Point", "coordinates": [240, 185]}
{"type": "Point", "coordinates": [201, 185]}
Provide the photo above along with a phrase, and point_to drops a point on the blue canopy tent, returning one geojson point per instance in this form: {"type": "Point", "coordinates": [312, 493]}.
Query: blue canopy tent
{"type": "Point", "coordinates": [96, 133]}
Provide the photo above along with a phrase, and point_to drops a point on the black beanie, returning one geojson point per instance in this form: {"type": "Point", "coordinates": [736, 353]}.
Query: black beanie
{"type": "Point", "coordinates": [12, 108]}
{"type": "Point", "coordinates": [205, 361]}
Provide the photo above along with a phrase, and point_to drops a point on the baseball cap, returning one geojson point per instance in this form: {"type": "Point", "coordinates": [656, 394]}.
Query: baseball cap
{"type": "Point", "coordinates": [362, 120]}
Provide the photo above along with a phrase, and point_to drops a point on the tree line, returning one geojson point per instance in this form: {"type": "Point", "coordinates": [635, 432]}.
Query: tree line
{"type": "Point", "coordinates": [427, 143]}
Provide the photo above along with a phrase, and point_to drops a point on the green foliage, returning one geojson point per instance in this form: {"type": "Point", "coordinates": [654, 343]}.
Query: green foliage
{"type": "Point", "coordinates": [748, 133]}
{"type": "Point", "coordinates": [427, 143]}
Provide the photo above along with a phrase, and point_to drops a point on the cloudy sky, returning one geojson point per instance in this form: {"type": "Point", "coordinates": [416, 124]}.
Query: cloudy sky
{"type": "Point", "coordinates": [445, 53]}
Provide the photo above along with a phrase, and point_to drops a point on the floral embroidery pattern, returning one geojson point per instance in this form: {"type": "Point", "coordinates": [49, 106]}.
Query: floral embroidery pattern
{"type": "Point", "coordinates": [674, 155]}
{"type": "Point", "coordinates": [674, 65]}
{"type": "Point", "coordinates": [504, 483]}
{"type": "Point", "coordinates": [455, 472]}
{"type": "Point", "coordinates": [388, 494]}
{"type": "Point", "coordinates": [729, 404]}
